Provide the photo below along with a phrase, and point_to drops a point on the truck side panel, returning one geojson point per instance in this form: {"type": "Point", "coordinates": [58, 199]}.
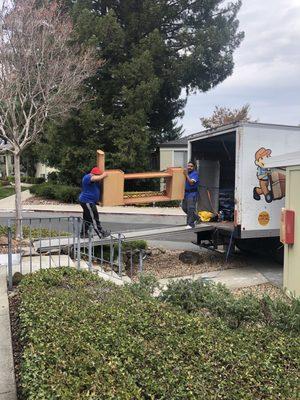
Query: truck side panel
{"type": "Point", "coordinates": [261, 193]}
{"type": "Point", "coordinates": [238, 211]}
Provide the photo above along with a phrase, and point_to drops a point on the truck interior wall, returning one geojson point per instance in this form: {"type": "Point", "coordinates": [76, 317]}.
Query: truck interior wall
{"type": "Point", "coordinates": [215, 159]}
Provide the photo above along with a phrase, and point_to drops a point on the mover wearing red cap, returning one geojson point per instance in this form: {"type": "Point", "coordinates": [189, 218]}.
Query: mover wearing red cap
{"type": "Point", "coordinates": [88, 198]}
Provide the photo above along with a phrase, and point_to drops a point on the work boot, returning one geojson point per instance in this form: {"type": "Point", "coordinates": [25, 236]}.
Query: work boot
{"type": "Point", "coordinates": [104, 233]}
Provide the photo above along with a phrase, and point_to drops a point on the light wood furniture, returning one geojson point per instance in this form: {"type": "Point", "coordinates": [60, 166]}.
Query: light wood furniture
{"type": "Point", "coordinates": [113, 185]}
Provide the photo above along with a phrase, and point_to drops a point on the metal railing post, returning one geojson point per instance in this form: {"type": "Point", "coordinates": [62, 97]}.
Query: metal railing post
{"type": "Point", "coordinates": [101, 256]}
{"type": "Point", "coordinates": [78, 243]}
{"type": "Point", "coordinates": [59, 242]}
{"type": "Point", "coordinates": [20, 245]}
{"type": "Point", "coordinates": [111, 255]}
{"type": "Point", "coordinates": [40, 233]}
{"type": "Point", "coordinates": [30, 250]}
{"type": "Point", "coordinates": [90, 247]}
{"type": "Point", "coordinates": [50, 255]}
{"type": "Point", "coordinates": [9, 255]}
{"type": "Point", "coordinates": [74, 237]}
{"type": "Point", "coordinates": [120, 254]}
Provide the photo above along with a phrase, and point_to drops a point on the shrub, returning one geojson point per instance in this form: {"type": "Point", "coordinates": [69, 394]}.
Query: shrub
{"type": "Point", "coordinates": [145, 287]}
{"type": "Point", "coordinates": [44, 190]}
{"type": "Point", "coordinates": [33, 180]}
{"type": "Point", "coordinates": [135, 245]}
{"type": "Point", "coordinates": [83, 338]}
{"type": "Point", "coordinates": [127, 246]}
{"type": "Point", "coordinates": [63, 193]}
{"type": "Point", "coordinates": [67, 194]}
{"type": "Point", "coordinates": [199, 296]}
{"type": "Point", "coordinates": [27, 179]}
{"type": "Point", "coordinates": [52, 177]}
{"type": "Point", "coordinates": [39, 180]}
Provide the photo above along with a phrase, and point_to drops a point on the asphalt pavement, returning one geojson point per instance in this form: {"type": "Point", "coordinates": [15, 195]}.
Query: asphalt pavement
{"type": "Point", "coordinates": [59, 222]}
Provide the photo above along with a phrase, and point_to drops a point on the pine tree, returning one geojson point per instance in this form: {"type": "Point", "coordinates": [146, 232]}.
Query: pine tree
{"type": "Point", "coordinates": [156, 52]}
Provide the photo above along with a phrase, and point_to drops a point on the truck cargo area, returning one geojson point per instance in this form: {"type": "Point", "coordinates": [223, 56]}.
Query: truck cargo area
{"type": "Point", "coordinates": [215, 158]}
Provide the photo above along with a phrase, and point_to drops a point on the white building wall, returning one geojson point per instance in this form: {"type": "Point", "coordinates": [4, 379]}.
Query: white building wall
{"type": "Point", "coordinates": [42, 170]}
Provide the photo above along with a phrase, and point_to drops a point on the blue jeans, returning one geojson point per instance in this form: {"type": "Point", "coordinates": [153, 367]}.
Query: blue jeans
{"type": "Point", "coordinates": [189, 207]}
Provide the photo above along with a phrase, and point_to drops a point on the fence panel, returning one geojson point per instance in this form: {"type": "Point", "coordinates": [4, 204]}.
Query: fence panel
{"type": "Point", "coordinates": [64, 242]}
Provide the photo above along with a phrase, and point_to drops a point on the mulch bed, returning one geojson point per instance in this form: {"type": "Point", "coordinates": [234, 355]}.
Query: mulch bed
{"type": "Point", "coordinates": [259, 291]}
{"type": "Point", "coordinates": [4, 245]}
{"type": "Point", "coordinates": [167, 264]}
{"type": "Point", "coordinates": [14, 303]}
{"type": "Point", "coordinates": [35, 200]}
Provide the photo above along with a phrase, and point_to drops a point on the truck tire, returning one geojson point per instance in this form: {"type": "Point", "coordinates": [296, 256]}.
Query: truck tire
{"type": "Point", "coordinates": [266, 246]}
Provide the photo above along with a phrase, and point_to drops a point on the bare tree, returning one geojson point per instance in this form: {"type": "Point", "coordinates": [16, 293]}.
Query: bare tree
{"type": "Point", "coordinates": [225, 115]}
{"type": "Point", "coordinates": [42, 69]}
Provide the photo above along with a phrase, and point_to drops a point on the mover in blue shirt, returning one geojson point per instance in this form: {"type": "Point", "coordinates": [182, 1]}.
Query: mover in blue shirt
{"type": "Point", "coordinates": [88, 198]}
{"type": "Point", "coordinates": [189, 203]}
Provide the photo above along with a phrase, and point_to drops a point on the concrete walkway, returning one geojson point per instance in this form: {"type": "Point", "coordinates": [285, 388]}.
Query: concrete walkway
{"type": "Point", "coordinates": [8, 203]}
{"type": "Point", "coordinates": [7, 375]}
{"type": "Point", "coordinates": [232, 278]}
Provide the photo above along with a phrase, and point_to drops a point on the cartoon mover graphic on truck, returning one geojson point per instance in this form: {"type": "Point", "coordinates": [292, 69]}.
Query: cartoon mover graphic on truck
{"type": "Point", "coordinates": [271, 184]}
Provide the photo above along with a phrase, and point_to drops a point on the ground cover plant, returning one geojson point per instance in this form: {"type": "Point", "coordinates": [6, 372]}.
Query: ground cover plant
{"type": "Point", "coordinates": [200, 296]}
{"type": "Point", "coordinates": [83, 338]}
{"type": "Point", "coordinates": [30, 232]}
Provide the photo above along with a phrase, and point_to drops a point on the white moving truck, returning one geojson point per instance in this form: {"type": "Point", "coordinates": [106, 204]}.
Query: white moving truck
{"type": "Point", "coordinates": [234, 180]}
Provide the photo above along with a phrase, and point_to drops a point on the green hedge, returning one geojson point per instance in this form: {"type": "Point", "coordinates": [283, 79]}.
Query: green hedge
{"type": "Point", "coordinates": [63, 193]}
{"type": "Point", "coordinates": [27, 179]}
{"type": "Point", "coordinates": [32, 179]}
{"type": "Point", "coordinates": [84, 338]}
{"type": "Point", "coordinates": [198, 296]}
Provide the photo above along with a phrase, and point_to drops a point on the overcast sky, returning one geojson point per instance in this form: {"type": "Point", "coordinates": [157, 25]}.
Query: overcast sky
{"type": "Point", "coordinates": [267, 67]}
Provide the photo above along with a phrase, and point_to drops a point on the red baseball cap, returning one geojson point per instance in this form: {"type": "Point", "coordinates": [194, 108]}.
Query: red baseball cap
{"type": "Point", "coordinates": [96, 171]}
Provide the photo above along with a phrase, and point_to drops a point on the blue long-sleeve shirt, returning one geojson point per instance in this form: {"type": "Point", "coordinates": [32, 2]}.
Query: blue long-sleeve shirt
{"type": "Point", "coordinates": [90, 190]}
{"type": "Point", "coordinates": [192, 190]}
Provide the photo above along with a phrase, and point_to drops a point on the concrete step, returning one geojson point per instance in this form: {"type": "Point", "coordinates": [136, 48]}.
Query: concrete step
{"type": "Point", "coordinates": [107, 277]}
{"type": "Point", "coordinates": [234, 278]}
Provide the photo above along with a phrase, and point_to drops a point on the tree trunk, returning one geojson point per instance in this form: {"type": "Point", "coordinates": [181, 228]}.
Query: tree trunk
{"type": "Point", "coordinates": [18, 194]}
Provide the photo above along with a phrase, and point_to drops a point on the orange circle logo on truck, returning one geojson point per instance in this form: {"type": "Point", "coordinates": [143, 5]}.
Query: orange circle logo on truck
{"type": "Point", "coordinates": [264, 218]}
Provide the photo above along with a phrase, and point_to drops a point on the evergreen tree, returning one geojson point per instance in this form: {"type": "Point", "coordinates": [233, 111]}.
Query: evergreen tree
{"type": "Point", "coordinates": [156, 52]}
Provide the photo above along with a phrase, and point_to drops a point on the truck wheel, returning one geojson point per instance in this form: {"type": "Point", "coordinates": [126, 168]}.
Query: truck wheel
{"type": "Point", "coordinates": [245, 246]}
{"type": "Point", "coordinates": [278, 254]}
{"type": "Point", "coordinates": [271, 247]}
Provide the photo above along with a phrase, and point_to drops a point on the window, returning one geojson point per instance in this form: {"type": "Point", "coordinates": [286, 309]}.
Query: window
{"type": "Point", "coordinates": [180, 158]}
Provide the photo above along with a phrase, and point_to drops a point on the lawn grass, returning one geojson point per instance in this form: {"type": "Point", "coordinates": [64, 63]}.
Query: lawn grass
{"type": "Point", "coordinates": [8, 191]}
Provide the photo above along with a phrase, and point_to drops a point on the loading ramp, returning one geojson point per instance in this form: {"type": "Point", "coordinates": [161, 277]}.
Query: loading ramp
{"type": "Point", "coordinates": [45, 245]}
